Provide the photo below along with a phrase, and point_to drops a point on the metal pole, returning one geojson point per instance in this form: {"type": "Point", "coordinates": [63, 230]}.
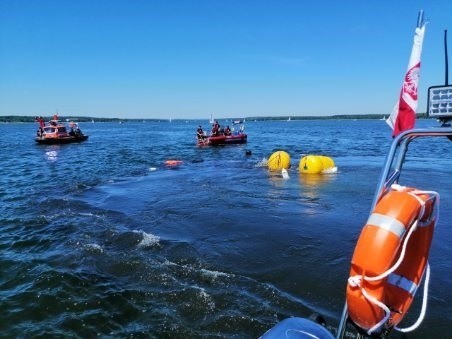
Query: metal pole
{"type": "Point", "coordinates": [446, 59]}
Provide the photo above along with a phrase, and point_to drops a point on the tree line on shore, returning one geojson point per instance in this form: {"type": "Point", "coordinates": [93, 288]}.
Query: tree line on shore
{"type": "Point", "coordinates": [25, 118]}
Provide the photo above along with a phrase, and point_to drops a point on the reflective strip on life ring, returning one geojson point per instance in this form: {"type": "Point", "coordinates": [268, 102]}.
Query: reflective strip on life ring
{"type": "Point", "coordinates": [387, 223]}
{"type": "Point", "coordinates": [403, 283]}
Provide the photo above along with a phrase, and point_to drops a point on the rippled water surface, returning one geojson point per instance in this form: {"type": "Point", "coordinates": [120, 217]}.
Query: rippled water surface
{"type": "Point", "coordinates": [101, 238]}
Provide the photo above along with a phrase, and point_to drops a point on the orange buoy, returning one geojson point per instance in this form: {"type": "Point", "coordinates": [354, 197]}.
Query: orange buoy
{"type": "Point", "coordinates": [173, 162]}
{"type": "Point", "coordinates": [389, 260]}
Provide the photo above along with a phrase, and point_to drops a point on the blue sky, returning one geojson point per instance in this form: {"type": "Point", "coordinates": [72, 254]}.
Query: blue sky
{"type": "Point", "coordinates": [188, 59]}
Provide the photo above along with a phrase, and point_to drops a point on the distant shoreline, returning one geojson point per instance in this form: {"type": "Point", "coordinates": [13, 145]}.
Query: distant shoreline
{"type": "Point", "coordinates": [26, 119]}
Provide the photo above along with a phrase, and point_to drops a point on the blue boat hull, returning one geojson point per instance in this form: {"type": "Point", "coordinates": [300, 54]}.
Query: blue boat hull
{"type": "Point", "coordinates": [297, 328]}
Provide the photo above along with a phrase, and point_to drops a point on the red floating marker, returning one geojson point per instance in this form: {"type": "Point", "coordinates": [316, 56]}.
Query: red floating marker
{"type": "Point", "coordinates": [173, 162]}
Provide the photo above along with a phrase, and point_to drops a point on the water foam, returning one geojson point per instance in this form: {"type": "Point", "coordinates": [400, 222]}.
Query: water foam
{"type": "Point", "coordinates": [147, 240]}
{"type": "Point", "coordinates": [95, 248]}
{"type": "Point", "coordinates": [330, 170]}
{"type": "Point", "coordinates": [213, 275]}
{"type": "Point", "coordinates": [262, 163]}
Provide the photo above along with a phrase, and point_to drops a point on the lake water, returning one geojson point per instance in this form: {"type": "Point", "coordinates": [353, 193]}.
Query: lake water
{"type": "Point", "coordinates": [102, 239]}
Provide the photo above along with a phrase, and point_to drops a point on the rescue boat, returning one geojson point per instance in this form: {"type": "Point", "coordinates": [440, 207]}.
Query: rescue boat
{"type": "Point", "coordinates": [223, 140]}
{"type": "Point", "coordinates": [57, 133]}
{"type": "Point", "coordinates": [236, 136]}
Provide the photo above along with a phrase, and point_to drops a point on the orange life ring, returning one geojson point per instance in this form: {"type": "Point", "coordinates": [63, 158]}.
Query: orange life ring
{"type": "Point", "coordinates": [379, 248]}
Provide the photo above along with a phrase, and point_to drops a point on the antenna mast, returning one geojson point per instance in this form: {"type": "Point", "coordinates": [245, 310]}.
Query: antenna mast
{"type": "Point", "coordinates": [446, 61]}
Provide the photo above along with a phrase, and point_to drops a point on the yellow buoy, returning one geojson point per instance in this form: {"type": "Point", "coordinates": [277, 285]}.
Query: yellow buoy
{"type": "Point", "coordinates": [278, 161]}
{"type": "Point", "coordinates": [312, 164]}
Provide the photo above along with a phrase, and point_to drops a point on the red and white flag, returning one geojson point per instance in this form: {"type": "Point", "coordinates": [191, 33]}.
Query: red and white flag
{"type": "Point", "coordinates": [403, 115]}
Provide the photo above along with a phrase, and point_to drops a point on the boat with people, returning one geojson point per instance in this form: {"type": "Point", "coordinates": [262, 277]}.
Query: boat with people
{"type": "Point", "coordinates": [55, 132]}
{"type": "Point", "coordinates": [222, 136]}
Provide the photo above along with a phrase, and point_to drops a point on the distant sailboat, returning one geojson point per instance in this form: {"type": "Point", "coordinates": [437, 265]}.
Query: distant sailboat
{"type": "Point", "coordinates": [288, 119]}
{"type": "Point", "coordinates": [384, 118]}
{"type": "Point", "coordinates": [211, 118]}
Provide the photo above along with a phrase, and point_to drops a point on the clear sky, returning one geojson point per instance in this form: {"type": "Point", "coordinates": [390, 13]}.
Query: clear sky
{"type": "Point", "coordinates": [232, 58]}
